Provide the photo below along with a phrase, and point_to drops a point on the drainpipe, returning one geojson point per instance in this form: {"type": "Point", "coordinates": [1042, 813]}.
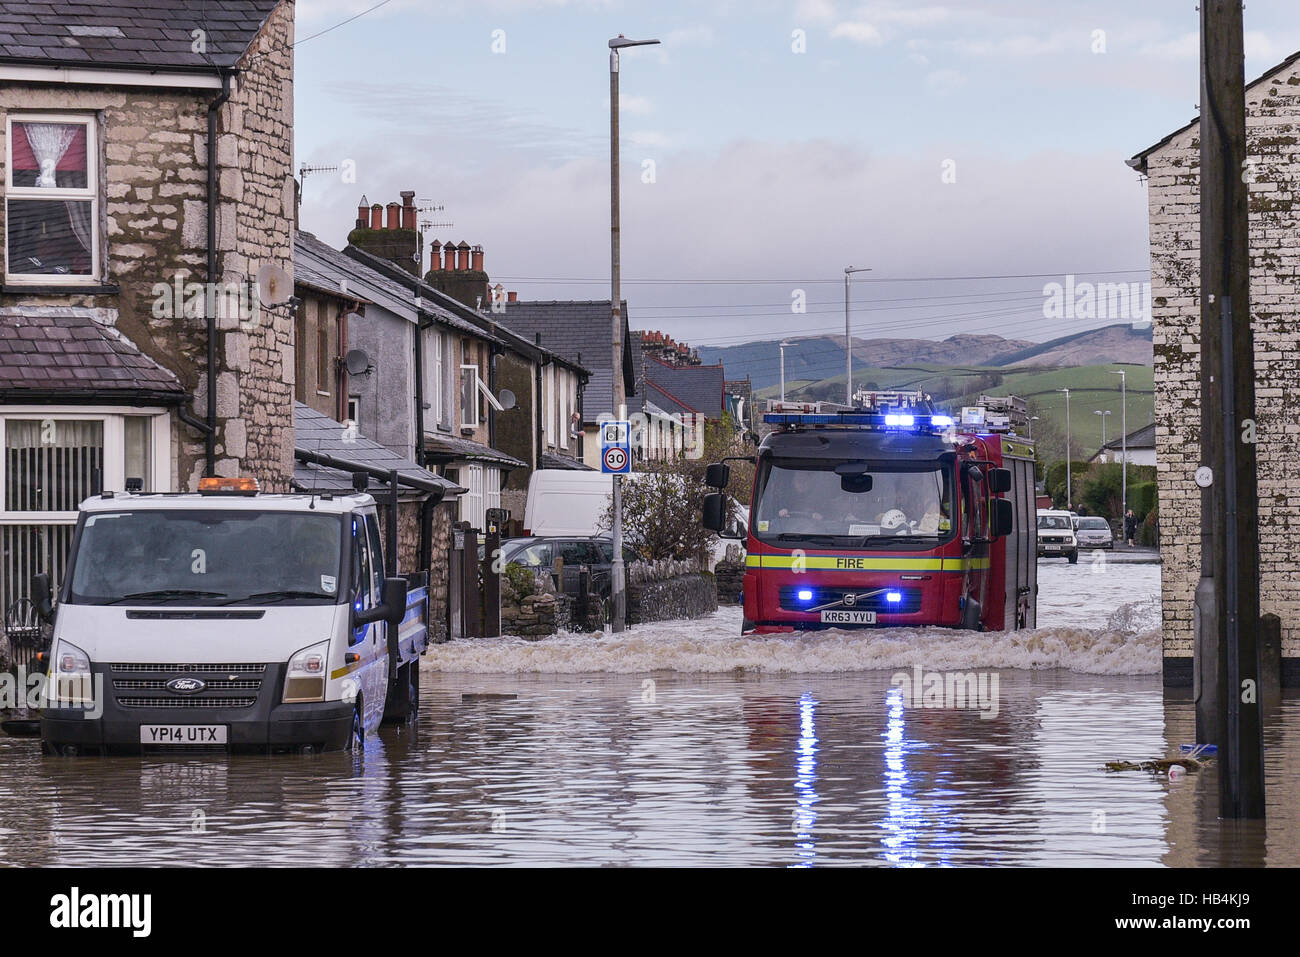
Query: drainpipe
{"type": "Point", "coordinates": [210, 439]}
{"type": "Point", "coordinates": [542, 363]}
{"type": "Point", "coordinates": [419, 391]}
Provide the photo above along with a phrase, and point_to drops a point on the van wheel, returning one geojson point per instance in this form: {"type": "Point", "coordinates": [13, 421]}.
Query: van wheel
{"type": "Point", "coordinates": [357, 736]}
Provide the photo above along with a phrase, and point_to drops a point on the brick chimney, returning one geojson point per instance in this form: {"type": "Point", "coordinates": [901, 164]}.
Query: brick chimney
{"type": "Point", "coordinates": [462, 255]}
{"type": "Point", "coordinates": [389, 232]}
{"type": "Point", "coordinates": [461, 276]}
{"type": "Point", "coordinates": [512, 296]}
{"type": "Point", "coordinates": [363, 213]}
{"type": "Point", "coordinates": [435, 257]}
{"type": "Point", "coordinates": [408, 208]}
{"type": "Point", "coordinates": [476, 258]}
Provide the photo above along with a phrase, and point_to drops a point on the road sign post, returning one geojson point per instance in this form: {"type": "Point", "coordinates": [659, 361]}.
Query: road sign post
{"type": "Point", "coordinates": [616, 460]}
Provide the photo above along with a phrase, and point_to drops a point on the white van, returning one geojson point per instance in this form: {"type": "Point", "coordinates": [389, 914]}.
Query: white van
{"type": "Point", "coordinates": [227, 620]}
{"type": "Point", "coordinates": [566, 502]}
{"type": "Point", "coordinates": [1056, 535]}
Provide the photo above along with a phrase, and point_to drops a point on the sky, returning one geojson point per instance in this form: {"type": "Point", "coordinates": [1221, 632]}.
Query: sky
{"type": "Point", "coordinates": [766, 146]}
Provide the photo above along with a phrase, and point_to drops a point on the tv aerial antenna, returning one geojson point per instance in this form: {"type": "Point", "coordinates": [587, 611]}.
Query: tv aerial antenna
{"type": "Point", "coordinates": [306, 170]}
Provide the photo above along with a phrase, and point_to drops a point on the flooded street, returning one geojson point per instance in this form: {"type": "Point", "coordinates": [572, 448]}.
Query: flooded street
{"type": "Point", "coordinates": [650, 749]}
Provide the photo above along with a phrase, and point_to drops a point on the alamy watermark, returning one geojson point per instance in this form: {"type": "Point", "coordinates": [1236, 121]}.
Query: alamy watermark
{"type": "Point", "coordinates": [19, 689]}
{"type": "Point", "coordinates": [970, 690]}
{"type": "Point", "coordinates": [1121, 301]}
{"type": "Point", "coordinates": [238, 301]}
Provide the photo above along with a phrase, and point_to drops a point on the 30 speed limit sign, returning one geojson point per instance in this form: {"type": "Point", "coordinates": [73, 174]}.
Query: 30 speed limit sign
{"type": "Point", "coordinates": [615, 459]}
{"type": "Point", "coordinates": [615, 448]}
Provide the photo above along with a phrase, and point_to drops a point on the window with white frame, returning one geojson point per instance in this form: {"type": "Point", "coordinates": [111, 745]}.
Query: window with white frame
{"type": "Point", "coordinates": [51, 199]}
{"type": "Point", "coordinates": [471, 503]}
{"type": "Point", "coordinates": [562, 411]}
{"type": "Point", "coordinates": [469, 396]}
{"type": "Point", "coordinates": [50, 460]}
{"type": "Point", "coordinates": [447, 412]}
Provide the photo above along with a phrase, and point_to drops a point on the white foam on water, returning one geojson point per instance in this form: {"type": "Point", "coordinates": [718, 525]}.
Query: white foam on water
{"type": "Point", "coordinates": [714, 645]}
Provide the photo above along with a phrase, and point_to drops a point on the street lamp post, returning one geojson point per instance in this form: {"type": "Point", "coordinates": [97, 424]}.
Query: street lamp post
{"type": "Point", "coordinates": [617, 572]}
{"type": "Point", "coordinates": [782, 346]}
{"type": "Point", "coordinates": [1123, 442]}
{"type": "Point", "coordinates": [1069, 488]}
{"type": "Point", "coordinates": [1103, 414]}
{"type": "Point", "coordinates": [848, 337]}
{"type": "Point", "coordinates": [1032, 420]}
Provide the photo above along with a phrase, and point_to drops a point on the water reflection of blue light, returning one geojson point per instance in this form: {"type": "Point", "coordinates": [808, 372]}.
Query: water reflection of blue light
{"type": "Point", "coordinates": [805, 780]}
{"type": "Point", "coordinates": [906, 814]}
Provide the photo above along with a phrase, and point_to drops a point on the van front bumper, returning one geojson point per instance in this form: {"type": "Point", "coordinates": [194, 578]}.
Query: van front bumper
{"type": "Point", "coordinates": [265, 725]}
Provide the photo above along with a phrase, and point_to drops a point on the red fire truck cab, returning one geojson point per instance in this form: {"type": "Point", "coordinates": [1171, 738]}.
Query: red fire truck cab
{"type": "Point", "coordinates": [888, 515]}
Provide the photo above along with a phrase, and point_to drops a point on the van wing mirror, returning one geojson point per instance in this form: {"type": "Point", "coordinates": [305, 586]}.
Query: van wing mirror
{"type": "Point", "coordinates": [715, 511]}
{"type": "Point", "coordinates": [1004, 512]}
{"type": "Point", "coordinates": [999, 480]}
{"type": "Point", "coordinates": [394, 603]}
{"type": "Point", "coordinates": [717, 475]}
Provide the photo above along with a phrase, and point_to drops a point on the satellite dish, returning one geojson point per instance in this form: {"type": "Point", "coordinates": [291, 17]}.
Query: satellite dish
{"type": "Point", "coordinates": [506, 398]}
{"type": "Point", "coordinates": [357, 362]}
{"type": "Point", "coordinates": [274, 285]}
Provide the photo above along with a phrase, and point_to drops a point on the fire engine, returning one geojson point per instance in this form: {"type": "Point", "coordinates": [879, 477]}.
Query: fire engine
{"type": "Point", "coordinates": [888, 514]}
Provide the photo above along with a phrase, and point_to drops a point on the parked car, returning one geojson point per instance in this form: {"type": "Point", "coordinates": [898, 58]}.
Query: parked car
{"type": "Point", "coordinates": [540, 553]}
{"type": "Point", "coordinates": [1056, 535]}
{"type": "Point", "coordinates": [1094, 532]}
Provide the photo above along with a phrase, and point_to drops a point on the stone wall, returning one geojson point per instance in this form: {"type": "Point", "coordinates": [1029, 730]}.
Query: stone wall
{"type": "Point", "coordinates": [730, 578]}
{"type": "Point", "coordinates": [1273, 135]}
{"type": "Point", "coordinates": [660, 591]}
{"type": "Point", "coordinates": [151, 157]}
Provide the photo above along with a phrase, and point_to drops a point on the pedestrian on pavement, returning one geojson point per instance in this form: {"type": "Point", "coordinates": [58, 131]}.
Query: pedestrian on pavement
{"type": "Point", "coordinates": [1130, 527]}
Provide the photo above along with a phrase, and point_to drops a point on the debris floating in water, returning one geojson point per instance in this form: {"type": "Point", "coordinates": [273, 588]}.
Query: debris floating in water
{"type": "Point", "coordinates": [1192, 762]}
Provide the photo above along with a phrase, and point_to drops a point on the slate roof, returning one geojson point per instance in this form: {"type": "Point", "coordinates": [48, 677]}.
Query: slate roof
{"type": "Point", "coordinates": [407, 286]}
{"type": "Point", "coordinates": [450, 448]}
{"type": "Point", "coordinates": [114, 34]}
{"type": "Point", "coordinates": [1143, 438]}
{"type": "Point", "coordinates": [65, 355]}
{"type": "Point", "coordinates": [315, 432]}
{"type": "Point", "coordinates": [452, 310]}
{"type": "Point", "coordinates": [322, 267]}
{"type": "Point", "coordinates": [569, 327]}
{"type": "Point", "coordinates": [552, 461]}
{"type": "Point", "coordinates": [682, 389]}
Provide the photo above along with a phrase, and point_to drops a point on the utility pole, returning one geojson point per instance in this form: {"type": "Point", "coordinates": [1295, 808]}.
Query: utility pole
{"type": "Point", "coordinates": [1229, 506]}
{"type": "Point", "coordinates": [618, 584]}
{"type": "Point", "coordinates": [782, 346]}
{"type": "Point", "coordinates": [1069, 488]}
{"type": "Point", "coordinates": [848, 336]}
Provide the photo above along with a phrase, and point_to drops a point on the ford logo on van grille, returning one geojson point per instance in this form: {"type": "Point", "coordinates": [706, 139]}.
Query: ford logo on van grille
{"type": "Point", "coordinates": [186, 685]}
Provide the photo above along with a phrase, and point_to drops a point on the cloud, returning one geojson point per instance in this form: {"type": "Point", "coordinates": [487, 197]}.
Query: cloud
{"type": "Point", "coordinates": [814, 10]}
{"type": "Point", "coordinates": [858, 32]}
{"type": "Point", "coordinates": [944, 82]}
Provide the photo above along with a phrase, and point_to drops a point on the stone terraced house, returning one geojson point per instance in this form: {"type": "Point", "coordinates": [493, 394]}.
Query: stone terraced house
{"type": "Point", "coordinates": [1273, 169]}
{"type": "Point", "coordinates": [147, 180]}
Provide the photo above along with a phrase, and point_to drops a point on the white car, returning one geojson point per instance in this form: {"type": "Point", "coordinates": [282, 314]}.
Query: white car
{"type": "Point", "coordinates": [1094, 532]}
{"type": "Point", "coordinates": [1056, 535]}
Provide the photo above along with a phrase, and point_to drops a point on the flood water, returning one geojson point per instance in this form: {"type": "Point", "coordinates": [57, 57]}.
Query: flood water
{"type": "Point", "coordinates": [690, 762]}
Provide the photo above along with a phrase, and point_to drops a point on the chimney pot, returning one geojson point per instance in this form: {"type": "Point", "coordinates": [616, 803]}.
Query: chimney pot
{"type": "Point", "coordinates": [408, 209]}
{"type": "Point", "coordinates": [376, 216]}
{"type": "Point", "coordinates": [435, 256]}
{"type": "Point", "coordinates": [394, 212]}
{"type": "Point", "coordinates": [476, 258]}
{"type": "Point", "coordinates": [512, 296]}
{"type": "Point", "coordinates": [462, 255]}
{"type": "Point", "coordinates": [363, 211]}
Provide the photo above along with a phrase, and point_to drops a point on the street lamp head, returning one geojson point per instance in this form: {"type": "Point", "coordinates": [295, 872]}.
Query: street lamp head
{"type": "Point", "coordinates": [621, 41]}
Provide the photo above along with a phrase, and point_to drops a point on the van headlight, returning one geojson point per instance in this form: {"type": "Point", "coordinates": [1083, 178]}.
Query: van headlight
{"type": "Point", "coordinates": [70, 680]}
{"type": "Point", "coordinates": [304, 680]}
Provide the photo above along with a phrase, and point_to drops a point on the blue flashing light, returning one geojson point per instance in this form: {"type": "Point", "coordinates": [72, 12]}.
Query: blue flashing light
{"type": "Point", "coordinates": [805, 594]}
{"type": "Point", "coordinates": [906, 420]}
{"type": "Point", "coordinates": [941, 421]}
{"type": "Point", "coordinates": [893, 596]}
{"type": "Point", "coordinates": [893, 420]}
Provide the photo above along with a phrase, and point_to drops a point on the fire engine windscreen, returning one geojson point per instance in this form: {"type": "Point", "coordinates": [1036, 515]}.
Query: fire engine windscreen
{"type": "Point", "coordinates": [847, 503]}
{"type": "Point", "coordinates": [202, 557]}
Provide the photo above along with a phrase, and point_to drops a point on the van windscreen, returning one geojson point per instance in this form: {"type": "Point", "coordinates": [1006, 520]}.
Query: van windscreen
{"type": "Point", "coordinates": [207, 557]}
